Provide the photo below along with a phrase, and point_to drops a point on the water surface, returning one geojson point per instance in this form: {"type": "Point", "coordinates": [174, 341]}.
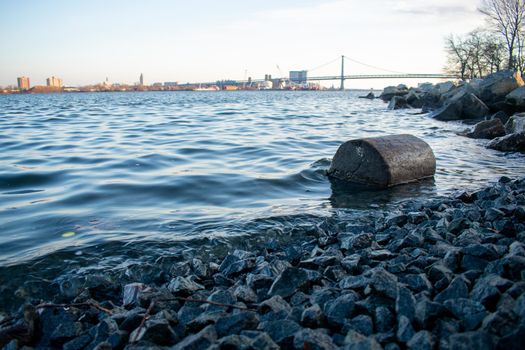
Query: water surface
{"type": "Point", "coordinates": [90, 181]}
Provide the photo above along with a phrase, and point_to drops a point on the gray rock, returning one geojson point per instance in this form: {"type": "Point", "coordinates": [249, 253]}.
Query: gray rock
{"type": "Point", "coordinates": [464, 105]}
{"type": "Point", "coordinates": [417, 282]}
{"type": "Point", "coordinates": [234, 264]}
{"type": "Point", "coordinates": [339, 309]}
{"type": "Point", "coordinates": [495, 87]}
{"type": "Point", "coordinates": [222, 297]}
{"type": "Point", "coordinates": [312, 339]}
{"type": "Point", "coordinates": [131, 293]}
{"type": "Point", "coordinates": [289, 281]}
{"type": "Point", "coordinates": [78, 343]}
{"type": "Point", "coordinates": [487, 289]}
{"type": "Point", "coordinates": [276, 304]}
{"type": "Point", "coordinates": [405, 303]}
{"type": "Point", "coordinates": [427, 312]}
{"type": "Point", "coordinates": [405, 331]}
{"type": "Point", "coordinates": [155, 331]}
{"type": "Point", "coordinates": [245, 293]}
{"type": "Point", "coordinates": [515, 124]}
{"type": "Point", "coordinates": [384, 320]}
{"type": "Point", "coordinates": [201, 340]}
{"type": "Point", "coordinates": [313, 317]}
{"type": "Point", "coordinates": [236, 322]}
{"type": "Point", "coordinates": [510, 143]}
{"type": "Point", "coordinates": [471, 340]}
{"type": "Point", "coordinates": [199, 268]}
{"type": "Point", "coordinates": [281, 331]}
{"type": "Point", "coordinates": [456, 289]}
{"type": "Point", "coordinates": [362, 324]}
{"type": "Point", "coordinates": [356, 341]}
{"type": "Point", "coordinates": [234, 341]}
{"type": "Point", "coordinates": [183, 286]}
{"type": "Point", "coordinates": [514, 340]}
{"type": "Point", "coordinates": [384, 283]}
{"type": "Point", "coordinates": [398, 102]}
{"type": "Point", "coordinates": [65, 332]}
{"type": "Point", "coordinates": [390, 91]}
{"type": "Point", "coordinates": [264, 341]}
{"type": "Point", "coordinates": [487, 129]}
{"type": "Point", "coordinates": [470, 312]}
{"type": "Point", "coordinates": [422, 340]}
{"type": "Point", "coordinates": [516, 98]}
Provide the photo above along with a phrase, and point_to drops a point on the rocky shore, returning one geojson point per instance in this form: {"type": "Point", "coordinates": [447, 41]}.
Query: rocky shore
{"type": "Point", "coordinates": [447, 273]}
{"type": "Point", "coordinates": [496, 103]}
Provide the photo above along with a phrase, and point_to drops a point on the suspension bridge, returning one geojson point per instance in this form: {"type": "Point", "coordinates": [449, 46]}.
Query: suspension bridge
{"type": "Point", "coordinates": [389, 74]}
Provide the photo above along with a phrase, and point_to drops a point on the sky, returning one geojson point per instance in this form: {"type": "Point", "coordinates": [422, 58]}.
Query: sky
{"type": "Point", "coordinates": [83, 42]}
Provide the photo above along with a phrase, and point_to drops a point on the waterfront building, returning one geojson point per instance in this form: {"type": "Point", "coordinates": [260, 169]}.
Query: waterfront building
{"type": "Point", "coordinates": [141, 79]}
{"type": "Point", "coordinates": [54, 82]}
{"type": "Point", "coordinates": [298, 76]}
{"type": "Point", "coordinates": [171, 83]}
{"type": "Point", "coordinates": [23, 83]}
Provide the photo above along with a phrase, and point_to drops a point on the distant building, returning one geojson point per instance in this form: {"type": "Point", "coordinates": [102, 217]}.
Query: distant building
{"type": "Point", "coordinates": [54, 82]}
{"type": "Point", "coordinates": [298, 76]}
{"type": "Point", "coordinates": [23, 83]}
{"type": "Point", "coordinates": [171, 83]}
{"type": "Point", "coordinates": [141, 79]}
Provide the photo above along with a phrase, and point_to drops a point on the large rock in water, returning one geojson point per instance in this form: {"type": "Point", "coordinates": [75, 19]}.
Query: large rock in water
{"type": "Point", "coordinates": [391, 91]}
{"type": "Point", "coordinates": [516, 98]}
{"type": "Point", "coordinates": [510, 143]}
{"type": "Point", "coordinates": [398, 102]}
{"type": "Point", "coordinates": [495, 87]}
{"type": "Point", "coordinates": [515, 124]}
{"type": "Point", "coordinates": [487, 129]}
{"type": "Point", "coordinates": [462, 105]}
{"type": "Point", "coordinates": [383, 161]}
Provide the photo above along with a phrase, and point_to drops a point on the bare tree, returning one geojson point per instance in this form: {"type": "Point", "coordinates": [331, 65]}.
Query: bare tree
{"type": "Point", "coordinates": [506, 17]}
{"type": "Point", "coordinates": [475, 54]}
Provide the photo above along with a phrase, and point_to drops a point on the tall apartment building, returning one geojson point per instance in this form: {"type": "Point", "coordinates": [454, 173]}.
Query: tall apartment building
{"type": "Point", "coordinates": [23, 83]}
{"type": "Point", "coordinates": [54, 82]}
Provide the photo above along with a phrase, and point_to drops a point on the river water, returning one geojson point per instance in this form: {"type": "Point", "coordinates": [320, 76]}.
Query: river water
{"type": "Point", "coordinates": [90, 182]}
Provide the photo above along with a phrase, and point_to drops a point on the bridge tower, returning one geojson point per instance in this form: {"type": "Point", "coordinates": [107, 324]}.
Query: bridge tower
{"type": "Point", "coordinates": [342, 73]}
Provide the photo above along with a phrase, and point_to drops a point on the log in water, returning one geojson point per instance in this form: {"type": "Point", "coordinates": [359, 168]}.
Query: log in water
{"type": "Point", "coordinates": [384, 161]}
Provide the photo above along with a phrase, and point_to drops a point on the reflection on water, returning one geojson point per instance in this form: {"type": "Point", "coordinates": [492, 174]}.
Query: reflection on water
{"type": "Point", "coordinates": [137, 176]}
{"type": "Point", "coordinates": [358, 196]}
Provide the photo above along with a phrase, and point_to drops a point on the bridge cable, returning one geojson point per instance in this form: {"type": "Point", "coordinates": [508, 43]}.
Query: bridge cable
{"type": "Point", "coordinates": [370, 66]}
{"type": "Point", "coordinates": [324, 64]}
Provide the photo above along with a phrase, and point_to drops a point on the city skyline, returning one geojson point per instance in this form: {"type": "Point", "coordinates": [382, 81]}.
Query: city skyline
{"type": "Point", "coordinates": [175, 41]}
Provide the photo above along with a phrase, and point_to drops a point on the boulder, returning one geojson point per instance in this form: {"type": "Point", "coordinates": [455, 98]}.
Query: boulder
{"type": "Point", "coordinates": [462, 105]}
{"type": "Point", "coordinates": [516, 98]}
{"type": "Point", "coordinates": [510, 143]}
{"type": "Point", "coordinates": [495, 87]}
{"type": "Point", "coordinates": [445, 87]}
{"type": "Point", "coordinates": [504, 117]}
{"type": "Point", "coordinates": [391, 91]}
{"type": "Point", "coordinates": [515, 124]}
{"type": "Point", "coordinates": [369, 96]}
{"type": "Point", "coordinates": [414, 99]}
{"type": "Point", "coordinates": [383, 161]}
{"type": "Point", "coordinates": [487, 129]}
{"type": "Point", "coordinates": [398, 102]}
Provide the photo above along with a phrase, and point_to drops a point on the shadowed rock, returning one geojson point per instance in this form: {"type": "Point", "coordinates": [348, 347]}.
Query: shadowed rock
{"type": "Point", "coordinates": [383, 161]}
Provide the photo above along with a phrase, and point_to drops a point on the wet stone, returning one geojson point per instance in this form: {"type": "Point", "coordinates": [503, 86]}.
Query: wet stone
{"type": "Point", "coordinates": [313, 317]}
{"type": "Point", "coordinates": [131, 293]}
{"type": "Point", "coordinates": [384, 283]}
{"type": "Point", "coordinates": [422, 340]}
{"type": "Point", "coordinates": [471, 340]}
{"type": "Point", "coordinates": [405, 303]}
{"type": "Point", "coordinates": [362, 324]}
{"type": "Point", "coordinates": [470, 312]}
{"type": "Point", "coordinates": [313, 339]}
{"type": "Point", "coordinates": [289, 282]}
{"type": "Point", "coordinates": [184, 286]}
{"type": "Point", "coordinates": [236, 322]}
{"type": "Point", "coordinates": [405, 331]}
{"type": "Point", "coordinates": [281, 331]}
{"type": "Point", "coordinates": [201, 340]}
{"type": "Point", "coordinates": [356, 341]}
{"type": "Point", "coordinates": [456, 289]}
